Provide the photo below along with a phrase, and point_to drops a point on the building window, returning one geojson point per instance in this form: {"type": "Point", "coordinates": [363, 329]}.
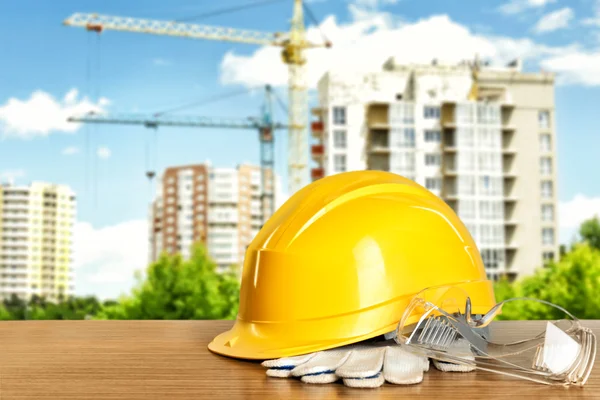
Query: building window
{"type": "Point", "coordinates": [547, 212]}
{"type": "Point", "coordinates": [339, 162]}
{"type": "Point", "coordinates": [465, 114]}
{"type": "Point", "coordinates": [431, 112]}
{"type": "Point", "coordinates": [466, 185]}
{"type": "Point", "coordinates": [489, 185]}
{"type": "Point", "coordinates": [548, 256]}
{"type": "Point", "coordinates": [547, 236]}
{"type": "Point", "coordinates": [401, 113]}
{"type": "Point", "coordinates": [545, 166]}
{"type": "Point", "coordinates": [491, 209]}
{"type": "Point", "coordinates": [544, 119]}
{"type": "Point", "coordinates": [492, 258]}
{"type": "Point", "coordinates": [466, 209]}
{"type": "Point", "coordinates": [339, 139]}
{"type": "Point", "coordinates": [545, 143]}
{"type": "Point", "coordinates": [402, 137]}
{"type": "Point", "coordinates": [403, 163]}
{"type": "Point", "coordinates": [547, 190]}
{"type": "Point", "coordinates": [433, 183]}
{"type": "Point", "coordinates": [433, 136]}
{"type": "Point", "coordinates": [488, 114]}
{"type": "Point", "coordinates": [339, 115]}
{"type": "Point", "coordinates": [433, 159]}
{"type": "Point", "coordinates": [490, 162]}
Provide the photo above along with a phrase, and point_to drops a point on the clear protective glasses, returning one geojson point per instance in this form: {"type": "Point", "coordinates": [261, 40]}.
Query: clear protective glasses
{"type": "Point", "coordinates": [439, 323]}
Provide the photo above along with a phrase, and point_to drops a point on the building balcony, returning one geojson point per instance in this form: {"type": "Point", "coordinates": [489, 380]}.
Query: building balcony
{"type": "Point", "coordinates": [449, 149]}
{"type": "Point", "coordinates": [317, 173]}
{"type": "Point", "coordinates": [508, 128]}
{"type": "Point", "coordinates": [14, 281]}
{"type": "Point", "coordinates": [510, 222]}
{"type": "Point", "coordinates": [15, 252]}
{"type": "Point", "coordinates": [379, 148]}
{"type": "Point", "coordinates": [20, 206]}
{"type": "Point", "coordinates": [508, 171]}
{"type": "Point", "coordinates": [511, 245]}
{"type": "Point", "coordinates": [317, 152]}
{"type": "Point", "coordinates": [318, 111]}
{"type": "Point", "coordinates": [378, 116]}
{"type": "Point", "coordinates": [317, 128]}
{"type": "Point", "coordinates": [14, 225]}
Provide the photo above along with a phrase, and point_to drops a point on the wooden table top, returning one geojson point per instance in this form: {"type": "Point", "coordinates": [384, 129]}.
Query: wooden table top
{"type": "Point", "coordinates": [169, 360]}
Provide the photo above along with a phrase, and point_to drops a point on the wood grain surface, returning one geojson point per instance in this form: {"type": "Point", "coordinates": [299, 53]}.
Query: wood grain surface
{"type": "Point", "coordinates": [169, 360]}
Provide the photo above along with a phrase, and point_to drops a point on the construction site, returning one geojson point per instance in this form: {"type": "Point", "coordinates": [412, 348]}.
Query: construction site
{"type": "Point", "coordinates": [467, 131]}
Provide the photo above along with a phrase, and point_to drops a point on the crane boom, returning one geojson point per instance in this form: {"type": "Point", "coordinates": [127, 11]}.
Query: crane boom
{"type": "Point", "coordinates": [265, 129]}
{"type": "Point", "coordinates": [99, 23]}
{"type": "Point", "coordinates": [174, 121]}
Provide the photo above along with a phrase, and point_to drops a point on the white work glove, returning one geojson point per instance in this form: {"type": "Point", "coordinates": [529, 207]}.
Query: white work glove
{"type": "Point", "coordinates": [366, 365]}
{"type": "Point", "coordinates": [362, 365]}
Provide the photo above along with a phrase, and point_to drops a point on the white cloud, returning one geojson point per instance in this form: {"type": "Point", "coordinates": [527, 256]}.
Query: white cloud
{"type": "Point", "coordinates": [577, 67]}
{"type": "Point", "coordinates": [103, 152]}
{"type": "Point", "coordinates": [69, 151]}
{"type": "Point", "coordinates": [518, 6]}
{"type": "Point", "coordinates": [106, 258]}
{"type": "Point", "coordinates": [555, 20]}
{"type": "Point", "coordinates": [161, 62]}
{"type": "Point", "coordinates": [42, 114]}
{"type": "Point", "coordinates": [365, 44]}
{"type": "Point", "coordinates": [573, 212]}
{"type": "Point", "coordinates": [595, 19]}
{"type": "Point", "coordinates": [372, 37]}
{"type": "Point", "coordinates": [11, 175]}
{"type": "Point", "coordinates": [374, 3]}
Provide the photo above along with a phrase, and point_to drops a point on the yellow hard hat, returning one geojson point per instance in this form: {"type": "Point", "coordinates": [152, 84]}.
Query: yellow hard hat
{"type": "Point", "coordinates": [339, 262]}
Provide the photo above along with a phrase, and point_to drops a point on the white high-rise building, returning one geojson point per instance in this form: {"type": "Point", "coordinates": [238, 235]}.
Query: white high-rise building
{"type": "Point", "coordinates": [491, 156]}
{"type": "Point", "coordinates": [36, 240]}
{"type": "Point", "coordinates": [220, 207]}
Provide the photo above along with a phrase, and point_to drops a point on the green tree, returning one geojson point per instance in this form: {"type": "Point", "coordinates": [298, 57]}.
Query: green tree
{"type": "Point", "coordinates": [4, 314]}
{"type": "Point", "coordinates": [180, 289]}
{"type": "Point", "coordinates": [590, 232]}
{"type": "Point", "coordinates": [573, 283]}
{"type": "Point", "coordinates": [16, 307]}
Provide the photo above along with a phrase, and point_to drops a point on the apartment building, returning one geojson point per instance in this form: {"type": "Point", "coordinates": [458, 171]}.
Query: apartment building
{"type": "Point", "coordinates": [491, 157]}
{"type": "Point", "coordinates": [221, 207]}
{"type": "Point", "coordinates": [36, 240]}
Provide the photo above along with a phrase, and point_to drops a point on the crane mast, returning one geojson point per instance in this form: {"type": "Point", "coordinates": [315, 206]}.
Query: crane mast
{"type": "Point", "coordinates": [293, 45]}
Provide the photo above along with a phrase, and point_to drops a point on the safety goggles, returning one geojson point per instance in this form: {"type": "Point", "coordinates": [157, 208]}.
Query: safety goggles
{"type": "Point", "coordinates": [561, 353]}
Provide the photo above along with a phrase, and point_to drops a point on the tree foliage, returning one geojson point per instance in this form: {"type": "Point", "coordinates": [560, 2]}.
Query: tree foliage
{"type": "Point", "coordinates": [590, 232]}
{"type": "Point", "coordinates": [572, 283]}
{"type": "Point", "coordinates": [180, 289]}
{"type": "Point", "coordinates": [172, 288]}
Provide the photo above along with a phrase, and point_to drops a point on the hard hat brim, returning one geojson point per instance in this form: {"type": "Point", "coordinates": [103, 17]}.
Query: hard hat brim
{"type": "Point", "coordinates": [241, 341]}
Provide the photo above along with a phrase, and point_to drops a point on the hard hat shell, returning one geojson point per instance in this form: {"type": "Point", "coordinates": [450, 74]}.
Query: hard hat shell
{"type": "Point", "coordinates": [339, 262]}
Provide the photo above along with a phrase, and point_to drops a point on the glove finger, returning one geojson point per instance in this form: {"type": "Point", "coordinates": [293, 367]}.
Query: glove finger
{"type": "Point", "coordinates": [401, 367]}
{"type": "Point", "coordinates": [461, 348]}
{"type": "Point", "coordinates": [363, 362]}
{"type": "Point", "coordinates": [282, 367]}
{"type": "Point", "coordinates": [323, 362]}
{"type": "Point", "coordinates": [449, 367]}
{"type": "Point", "coordinates": [371, 382]}
{"type": "Point", "coordinates": [320, 378]}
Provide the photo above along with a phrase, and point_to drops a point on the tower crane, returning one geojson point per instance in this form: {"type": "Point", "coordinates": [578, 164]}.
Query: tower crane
{"type": "Point", "coordinates": [293, 45]}
{"type": "Point", "coordinates": [264, 125]}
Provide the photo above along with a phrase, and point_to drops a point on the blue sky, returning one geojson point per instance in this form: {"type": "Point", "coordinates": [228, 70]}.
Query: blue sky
{"type": "Point", "coordinates": [48, 69]}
